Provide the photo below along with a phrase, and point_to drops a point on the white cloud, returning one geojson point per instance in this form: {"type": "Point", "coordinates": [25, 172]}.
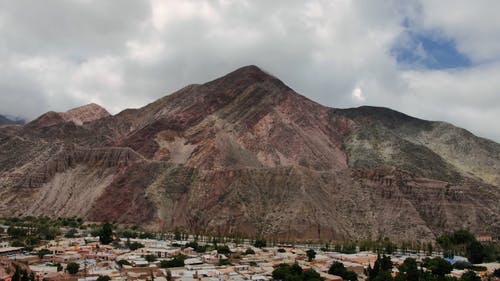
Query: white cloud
{"type": "Point", "coordinates": [474, 25]}
{"type": "Point", "coordinates": [320, 48]}
{"type": "Point", "coordinates": [357, 94]}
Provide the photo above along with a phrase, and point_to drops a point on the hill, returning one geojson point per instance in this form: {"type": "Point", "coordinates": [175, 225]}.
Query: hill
{"type": "Point", "coordinates": [246, 155]}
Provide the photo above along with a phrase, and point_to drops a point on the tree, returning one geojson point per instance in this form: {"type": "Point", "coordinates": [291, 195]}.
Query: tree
{"type": "Point", "coordinates": [177, 235]}
{"type": "Point", "coordinates": [310, 275]}
{"type": "Point", "coordinates": [249, 251]}
{"type": "Point", "coordinates": [462, 236]}
{"type": "Point", "coordinates": [15, 232]}
{"type": "Point", "coordinates": [409, 270]}
{"type": "Point", "coordinates": [383, 276]}
{"type": "Point", "coordinates": [260, 243]}
{"type": "Point", "coordinates": [106, 234]}
{"type": "Point", "coordinates": [285, 272]}
{"type": "Point", "coordinates": [470, 276]}
{"type": "Point", "coordinates": [17, 275]}
{"type": "Point", "coordinates": [311, 254]}
{"type": "Point", "coordinates": [389, 247]}
{"type": "Point", "coordinates": [223, 250]}
{"type": "Point", "coordinates": [462, 265]}
{"type": "Point", "coordinates": [135, 245]}
{"type": "Point", "coordinates": [121, 263]}
{"type": "Point", "coordinates": [386, 263]}
{"type": "Point", "coordinates": [103, 278]}
{"type": "Point", "coordinates": [338, 268]}
{"type": "Point", "coordinates": [382, 267]}
{"type": "Point", "coordinates": [429, 249]}
{"type": "Point", "coordinates": [439, 266]}
{"type": "Point", "coordinates": [72, 268]}
{"type": "Point", "coordinates": [150, 258]}
{"type": "Point", "coordinates": [176, 261]}
{"type": "Point", "coordinates": [71, 233]}
{"type": "Point", "coordinates": [43, 252]}
{"type": "Point", "coordinates": [475, 252]}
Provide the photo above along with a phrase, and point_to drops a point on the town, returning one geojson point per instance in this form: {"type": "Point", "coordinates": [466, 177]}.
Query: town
{"type": "Point", "coordinates": [102, 253]}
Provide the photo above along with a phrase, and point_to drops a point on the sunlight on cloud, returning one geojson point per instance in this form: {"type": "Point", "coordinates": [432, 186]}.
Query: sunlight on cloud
{"type": "Point", "coordinates": [357, 94]}
{"type": "Point", "coordinates": [164, 12]}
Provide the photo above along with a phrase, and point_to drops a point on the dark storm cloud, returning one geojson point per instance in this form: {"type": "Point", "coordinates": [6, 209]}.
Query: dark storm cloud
{"type": "Point", "coordinates": [55, 55]}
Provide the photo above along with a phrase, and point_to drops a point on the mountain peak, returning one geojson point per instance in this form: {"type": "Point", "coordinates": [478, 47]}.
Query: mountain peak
{"type": "Point", "coordinates": [86, 113]}
{"type": "Point", "coordinates": [78, 115]}
{"type": "Point", "coordinates": [249, 69]}
{"type": "Point", "coordinates": [250, 73]}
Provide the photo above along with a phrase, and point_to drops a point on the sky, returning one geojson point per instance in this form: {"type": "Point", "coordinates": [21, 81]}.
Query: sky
{"type": "Point", "coordinates": [436, 60]}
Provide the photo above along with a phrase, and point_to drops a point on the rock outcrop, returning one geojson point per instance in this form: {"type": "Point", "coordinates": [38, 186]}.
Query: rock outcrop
{"type": "Point", "coordinates": [79, 116]}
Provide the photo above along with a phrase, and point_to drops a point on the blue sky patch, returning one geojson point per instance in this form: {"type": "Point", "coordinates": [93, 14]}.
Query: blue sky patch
{"type": "Point", "coordinates": [428, 50]}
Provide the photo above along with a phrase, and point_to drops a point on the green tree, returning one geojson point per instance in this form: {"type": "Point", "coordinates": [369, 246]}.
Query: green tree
{"type": "Point", "coordinates": [311, 254]}
{"type": "Point", "coordinates": [71, 233]}
{"type": "Point", "coordinates": [150, 258]}
{"type": "Point", "coordinates": [177, 235]}
{"type": "Point", "coordinates": [223, 250]}
{"type": "Point", "coordinates": [72, 268]}
{"type": "Point", "coordinates": [103, 278]}
{"type": "Point", "coordinates": [106, 234]}
{"type": "Point", "coordinates": [462, 265]}
{"type": "Point", "coordinates": [470, 276]}
{"type": "Point", "coordinates": [176, 261]}
{"type": "Point", "coordinates": [386, 263]}
{"type": "Point", "coordinates": [121, 263]}
{"type": "Point", "coordinates": [249, 251]}
{"type": "Point", "coordinates": [429, 249]}
{"type": "Point", "coordinates": [16, 232]}
{"type": "Point", "coordinates": [310, 275]}
{"type": "Point", "coordinates": [260, 243]}
{"type": "Point", "coordinates": [338, 268]}
{"type": "Point", "coordinates": [285, 272]}
{"type": "Point", "coordinates": [496, 272]}
{"type": "Point", "coordinates": [135, 245]}
{"type": "Point", "coordinates": [438, 266]}
{"type": "Point", "coordinates": [17, 275]}
{"type": "Point", "coordinates": [409, 270]}
{"type": "Point", "coordinates": [389, 247]}
{"type": "Point", "coordinates": [382, 265]}
{"type": "Point", "coordinates": [475, 252]}
{"type": "Point", "coordinates": [43, 252]}
{"type": "Point", "coordinates": [383, 276]}
{"type": "Point", "coordinates": [462, 236]}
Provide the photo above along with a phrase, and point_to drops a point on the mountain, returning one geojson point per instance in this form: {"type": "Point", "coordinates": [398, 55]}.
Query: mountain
{"type": "Point", "coordinates": [79, 116]}
{"type": "Point", "coordinates": [246, 155]}
{"type": "Point", "coordinates": [6, 121]}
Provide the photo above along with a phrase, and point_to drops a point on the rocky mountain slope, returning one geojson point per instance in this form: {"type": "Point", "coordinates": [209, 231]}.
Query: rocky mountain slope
{"type": "Point", "coordinates": [244, 154]}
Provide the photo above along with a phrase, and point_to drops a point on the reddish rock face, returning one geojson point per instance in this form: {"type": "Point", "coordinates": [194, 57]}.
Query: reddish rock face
{"type": "Point", "coordinates": [246, 155]}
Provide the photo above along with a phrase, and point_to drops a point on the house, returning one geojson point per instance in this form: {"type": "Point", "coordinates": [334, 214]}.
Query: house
{"type": "Point", "coordinates": [8, 251]}
{"type": "Point", "coordinates": [484, 238]}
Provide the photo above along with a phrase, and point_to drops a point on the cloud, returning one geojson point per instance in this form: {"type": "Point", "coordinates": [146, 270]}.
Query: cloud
{"type": "Point", "coordinates": [357, 95]}
{"type": "Point", "coordinates": [61, 54]}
